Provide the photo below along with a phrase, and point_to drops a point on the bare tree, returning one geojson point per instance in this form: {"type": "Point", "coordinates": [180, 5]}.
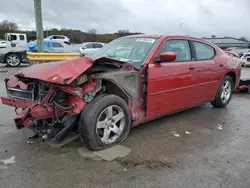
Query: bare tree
{"type": "Point", "coordinates": [244, 39]}
{"type": "Point", "coordinates": [6, 25]}
{"type": "Point", "coordinates": [92, 31]}
{"type": "Point", "coordinates": [123, 31]}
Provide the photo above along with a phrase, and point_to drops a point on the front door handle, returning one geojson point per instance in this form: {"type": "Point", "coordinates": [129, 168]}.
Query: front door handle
{"type": "Point", "coordinates": [221, 65]}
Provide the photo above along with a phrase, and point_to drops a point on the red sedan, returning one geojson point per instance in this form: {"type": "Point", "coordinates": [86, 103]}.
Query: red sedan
{"type": "Point", "coordinates": [129, 81]}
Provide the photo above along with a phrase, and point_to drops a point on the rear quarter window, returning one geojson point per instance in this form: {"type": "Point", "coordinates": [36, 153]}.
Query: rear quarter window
{"type": "Point", "coordinates": [203, 51]}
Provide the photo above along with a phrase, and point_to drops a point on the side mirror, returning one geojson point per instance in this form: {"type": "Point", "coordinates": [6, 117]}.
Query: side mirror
{"type": "Point", "coordinates": [167, 56]}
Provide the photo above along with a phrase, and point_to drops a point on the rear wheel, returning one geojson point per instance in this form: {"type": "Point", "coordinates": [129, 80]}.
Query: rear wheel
{"type": "Point", "coordinates": [224, 93]}
{"type": "Point", "coordinates": [13, 59]}
{"type": "Point", "coordinates": [104, 122]}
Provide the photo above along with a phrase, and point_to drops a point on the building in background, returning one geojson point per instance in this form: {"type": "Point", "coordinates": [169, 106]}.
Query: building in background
{"type": "Point", "coordinates": [228, 42]}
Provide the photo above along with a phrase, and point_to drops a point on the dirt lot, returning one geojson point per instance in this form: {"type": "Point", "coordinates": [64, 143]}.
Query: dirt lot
{"type": "Point", "coordinates": [208, 157]}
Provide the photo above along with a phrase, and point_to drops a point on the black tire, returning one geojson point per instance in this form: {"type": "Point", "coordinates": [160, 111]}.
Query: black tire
{"type": "Point", "coordinates": [89, 117]}
{"type": "Point", "coordinates": [218, 101]}
{"type": "Point", "coordinates": [13, 64]}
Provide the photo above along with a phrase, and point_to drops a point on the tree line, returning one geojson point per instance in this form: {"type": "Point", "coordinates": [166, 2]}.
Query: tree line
{"type": "Point", "coordinates": [76, 36]}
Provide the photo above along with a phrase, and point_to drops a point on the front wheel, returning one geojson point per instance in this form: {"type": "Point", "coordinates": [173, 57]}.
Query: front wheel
{"type": "Point", "coordinates": [13, 60]}
{"type": "Point", "coordinates": [224, 93]}
{"type": "Point", "coordinates": [104, 122]}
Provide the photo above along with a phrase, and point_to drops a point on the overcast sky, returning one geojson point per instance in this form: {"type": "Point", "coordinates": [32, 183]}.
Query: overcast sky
{"type": "Point", "coordinates": [198, 17]}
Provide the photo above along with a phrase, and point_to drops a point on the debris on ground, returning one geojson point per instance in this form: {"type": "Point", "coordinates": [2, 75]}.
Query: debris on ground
{"type": "Point", "coordinates": [112, 153]}
{"type": "Point", "coordinates": [29, 142]}
{"type": "Point", "coordinates": [11, 160]}
{"type": "Point", "coordinates": [150, 164]}
{"type": "Point", "coordinates": [220, 127]}
{"type": "Point", "coordinates": [187, 132]}
{"type": "Point", "coordinates": [3, 167]}
{"type": "Point", "coordinates": [175, 133]}
{"type": "Point", "coordinates": [3, 71]}
{"type": "Point", "coordinates": [86, 153]}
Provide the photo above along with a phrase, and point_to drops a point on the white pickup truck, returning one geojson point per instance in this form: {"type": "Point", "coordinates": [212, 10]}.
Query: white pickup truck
{"type": "Point", "coordinates": [13, 53]}
{"type": "Point", "coordinates": [15, 39]}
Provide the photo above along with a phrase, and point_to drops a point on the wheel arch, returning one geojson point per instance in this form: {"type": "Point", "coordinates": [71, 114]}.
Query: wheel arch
{"type": "Point", "coordinates": [233, 76]}
{"type": "Point", "coordinates": [113, 88]}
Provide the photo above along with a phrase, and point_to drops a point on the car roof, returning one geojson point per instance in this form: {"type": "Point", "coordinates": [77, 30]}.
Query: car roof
{"type": "Point", "coordinates": [170, 36]}
{"type": "Point", "coordinates": [174, 36]}
{"type": "Point", "coordinates": [163, 36]}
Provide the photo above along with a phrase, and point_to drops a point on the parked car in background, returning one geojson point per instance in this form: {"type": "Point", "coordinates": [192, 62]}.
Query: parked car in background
{"type": "Point", "coordinates": [90, 47]}
{"type": "Point", "coordinates": [15, 39]}
{"type": "Point", "coordinates": [51, 46]}
{"type": "Point", "coordinates": [3, 44]}
{"type": "Point", "coordinates": [104, 95]}
{"type": "Point", "coordinates": [59, 38]}
{"type": "Point", "coordinates": [13, 56]}
{"type": "Point", "coordinates": [241, 51]}
{"type": "Point", "coordinates": [245, 59]}
{"type": "Point", "coordinates": [232, 54]}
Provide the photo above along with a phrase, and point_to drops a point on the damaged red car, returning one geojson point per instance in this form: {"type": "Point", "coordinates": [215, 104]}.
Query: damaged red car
{"type": "Point", "coordinates": [129, 81]}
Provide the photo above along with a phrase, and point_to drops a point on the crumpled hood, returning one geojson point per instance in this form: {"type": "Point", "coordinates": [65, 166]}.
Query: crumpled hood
{"type": "Point", "coordinates": [59, 72]}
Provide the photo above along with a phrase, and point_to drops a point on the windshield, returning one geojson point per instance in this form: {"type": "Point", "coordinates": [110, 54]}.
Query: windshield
{"type": "Point", "coordinates": [133, 50]}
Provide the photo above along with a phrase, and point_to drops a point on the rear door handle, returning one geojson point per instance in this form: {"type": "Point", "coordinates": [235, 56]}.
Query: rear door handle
{"type": "Point", "coordinates": [221, 65]}
{"type": "Point", "coordinates": [191, 68]}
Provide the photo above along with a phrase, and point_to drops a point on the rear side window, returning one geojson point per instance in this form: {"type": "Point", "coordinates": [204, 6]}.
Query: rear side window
{"type": "Point", "coordinates": [57, 45]}
{"type": "Point", "coordinates": [96, 45]}
{"type": "Point", "coordinates": [203, 51]}
{"type": "Point", "coordinates": [21, 37]}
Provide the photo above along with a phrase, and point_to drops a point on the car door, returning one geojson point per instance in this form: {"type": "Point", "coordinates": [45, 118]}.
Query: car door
{"type": "Point", "coordinates": [172, 85]}
{"type": "Point", "coordinates": [88, 48]}
{"type": "Point", "coordinates": [97, 46]}
{"type": "Point", "coordinates": [209, 68]}
{"type": "Point", "coordinates": [58, 47]}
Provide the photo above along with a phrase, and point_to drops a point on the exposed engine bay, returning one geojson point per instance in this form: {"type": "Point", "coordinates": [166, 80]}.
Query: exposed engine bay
{"type": "Point", "coordinates": [52, 110]}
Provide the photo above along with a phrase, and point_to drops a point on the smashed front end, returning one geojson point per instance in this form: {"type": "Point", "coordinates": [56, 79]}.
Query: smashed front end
{"type": "Point", "coordinates": [49, 109]}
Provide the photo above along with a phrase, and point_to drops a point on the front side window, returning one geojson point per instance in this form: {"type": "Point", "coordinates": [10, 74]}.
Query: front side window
{"type": "Point", "coordinates": [13, 37]}
{"type": "Point", "coordinates": [179, 47]}
{"type": "Point", "coordinates": [203, 51]}
{"type": "Point", "coordinates": [89, 46]}
{"type": "Point", "coordinates": [58, 37]}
